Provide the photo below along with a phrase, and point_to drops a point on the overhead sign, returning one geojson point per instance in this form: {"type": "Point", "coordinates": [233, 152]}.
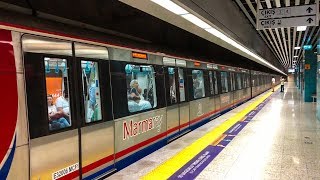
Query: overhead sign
{"type": "Point", "coordinates": [287, 22]}
{"type": "Point", "coordinates": [305, 10]}
{"type": "Point", "coordinates": [306, 15]}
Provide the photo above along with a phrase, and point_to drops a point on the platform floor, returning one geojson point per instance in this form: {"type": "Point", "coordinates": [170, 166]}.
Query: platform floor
{"type": "Point", "coordinates": [281, 142]}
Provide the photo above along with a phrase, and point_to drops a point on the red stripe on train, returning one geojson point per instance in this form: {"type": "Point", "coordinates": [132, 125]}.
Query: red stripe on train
{"type": "Point", "coordinates": [8, 92]}
{"type": "Point", "coordinates": [142, 144]}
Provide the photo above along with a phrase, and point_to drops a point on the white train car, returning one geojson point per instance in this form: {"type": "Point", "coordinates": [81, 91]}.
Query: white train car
{"type": "Point", "coordinates": [79, 109]}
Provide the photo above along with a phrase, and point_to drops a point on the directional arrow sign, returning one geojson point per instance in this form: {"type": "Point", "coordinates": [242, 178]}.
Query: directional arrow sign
{"type": "Point", "coordinates": [309, 10]}
{"type": "Point", "coordinates": [305, 10]}
{"type": "Point", "coordinates": [309, 20]}
{"type": "Point", "coordinates": [287, 22]}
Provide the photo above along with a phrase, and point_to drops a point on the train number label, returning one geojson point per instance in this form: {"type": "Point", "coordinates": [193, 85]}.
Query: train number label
{"type": "Point", "coordinates": [65, 171]}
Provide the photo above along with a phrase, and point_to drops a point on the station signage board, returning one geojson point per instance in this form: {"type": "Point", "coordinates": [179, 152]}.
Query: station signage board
{"type": "Point", "coordinates": [287, 22]}
{"type": "Point", "coordinates": [306, 15]}
{"type": "Point", "coordinates": [306, 10]}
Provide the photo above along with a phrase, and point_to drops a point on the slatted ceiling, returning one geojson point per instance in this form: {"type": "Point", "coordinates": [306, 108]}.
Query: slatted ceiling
{"type": "Point", "coordinates": [282, 40]}
{"type": "Point", "coordinates": [264, 33]}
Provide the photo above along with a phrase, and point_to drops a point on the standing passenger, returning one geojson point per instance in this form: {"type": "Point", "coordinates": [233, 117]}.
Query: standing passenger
{"type": "Point", "coordinates": [273, 83]}
{"type": "Point", "coordinates": [282, 84]}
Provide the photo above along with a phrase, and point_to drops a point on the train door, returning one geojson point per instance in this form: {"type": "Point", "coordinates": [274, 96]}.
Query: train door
{"type": "Point", "coordinates": [97, 126]}
{"type": "Point", "coordinates": [177, 109]}
{"type": "Point", "coordinates": [217, 89]}
{"type": "Point", "coordinates": [52, 108]}
{"type": "Point", "coordinates": [233, 88]}
{"type": "Point", "coordinates": [226, 93]}
{"type": "Point", "coordinates": [173, 115]}
{"type": "Point", "coordinates": [210, 91]}
{"type": "Point", "coordinates": [183, 101]}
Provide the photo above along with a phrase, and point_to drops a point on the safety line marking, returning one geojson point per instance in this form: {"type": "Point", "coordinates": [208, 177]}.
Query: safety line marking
{"type": "Point", "coordinates": [189, 162]}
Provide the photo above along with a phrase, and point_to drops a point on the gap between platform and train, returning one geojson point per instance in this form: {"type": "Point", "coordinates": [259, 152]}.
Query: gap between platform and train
{"type": "Point", "coordinates": [191, 161]}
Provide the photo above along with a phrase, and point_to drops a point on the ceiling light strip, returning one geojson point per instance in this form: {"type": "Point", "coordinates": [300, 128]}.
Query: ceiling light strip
{"type": "Point", "coordinates": [200, 23]}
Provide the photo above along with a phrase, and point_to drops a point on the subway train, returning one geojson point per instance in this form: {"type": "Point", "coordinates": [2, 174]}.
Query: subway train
{"type": "Point", "coordinates": [79, 109]}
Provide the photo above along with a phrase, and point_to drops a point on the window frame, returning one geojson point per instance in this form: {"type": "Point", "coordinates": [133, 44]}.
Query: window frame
{"type": "Point", "coordinates": [43, 122]}
{"type": "Point", "coordinates": [204, 83]}
{"type": "Point", "coordinates": [185, 78]}
{"type": "Point", "coordinates": [190, 84]}
{"type": "Point", "coordinates": [228, 82]}
{"type": "Point", "coordinates": [218, 82]}
{"type": "Point", "coordinates": [105, 91]}
{"type": "Point", "coordinates": [209, 83]}
{"type": "Point", "coordinates": [167, 85]}
{"type": "Point", "coordinates": [118, 81]}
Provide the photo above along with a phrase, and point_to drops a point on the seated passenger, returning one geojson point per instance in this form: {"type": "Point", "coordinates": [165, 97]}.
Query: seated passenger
{"type": "Point", "coordinates": [56, 118]}
{"type": "Point", "coordinates": [135, 100]}
{"type": "Point", "coordinates": [63, 104]}
{"type": "Point", "coordinates": [135, 91]}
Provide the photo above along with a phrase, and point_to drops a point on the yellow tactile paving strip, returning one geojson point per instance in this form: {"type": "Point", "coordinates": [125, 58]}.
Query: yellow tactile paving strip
{"type": "Point", "coordinates": [168, 168]}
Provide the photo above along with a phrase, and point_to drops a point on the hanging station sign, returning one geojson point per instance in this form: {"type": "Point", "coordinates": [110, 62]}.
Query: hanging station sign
{"type": "Point", "coordinates": [306, 15]}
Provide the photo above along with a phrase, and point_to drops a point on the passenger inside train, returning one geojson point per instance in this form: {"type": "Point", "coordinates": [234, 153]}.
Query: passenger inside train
{"type": "Point", "coordinates": [57, 93]}
{"type": "Point", "coordinates": [140, 87]}
{"type": "Point", "coordinates": [181, 85]}
{"type": "Point", "coordinates": [57, 119]}
{"type": "Point", "coordinates": [91, 91]}
{"type": "Point", "coordinates": [198, 85]}
{"type": "Point", "coordinates": [224, 82]}
{"type": "Point", "coordinates": [172, 83]}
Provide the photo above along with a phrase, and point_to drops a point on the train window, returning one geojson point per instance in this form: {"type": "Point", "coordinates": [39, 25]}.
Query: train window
{"type": "Point", "coordinates": [215, 82]}
{"type": "Point", "coordinates": [239, 81]}
{"type": "Point", "coordinates": [211, 83]}
{"type": "Point", "coordinates": [172, 85]}
{"type": "Point", "coordinates": [233, 81]}
{"type": "Point", "coordinates": [245, 85]}
{"type": "Point", "coordinates": [224, 82]}
{"type": "Point", "coordinates": [91, 91]}
{"type": "Point", "coordinates": [141, 87]}
{"type": "Point", "coordinates": [57, 85]}
{"type": "Point", "coordinates": [198, 84]}
{"type": "Point", "coordinates": [253, 80]}
{"type": "Point", "coordinates": [248, 80]}
{"type": "Point", "coordinates": [181, 85]}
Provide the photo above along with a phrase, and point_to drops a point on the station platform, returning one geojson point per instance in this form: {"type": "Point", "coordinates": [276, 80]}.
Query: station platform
{"type": "Point", "coordinates": [272, 136]}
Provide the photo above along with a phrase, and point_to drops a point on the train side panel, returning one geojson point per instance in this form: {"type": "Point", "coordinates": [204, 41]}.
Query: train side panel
{"type": "Point", "coordinates": [14, 136]}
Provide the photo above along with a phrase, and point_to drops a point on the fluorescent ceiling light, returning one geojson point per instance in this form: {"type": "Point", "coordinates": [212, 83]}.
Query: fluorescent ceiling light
{"type": "Point", "coordinates": [301, 28]}
{"type": "Point", "coordinates": [297, 47]}
{"type": "Point", "coordinates": [225, 38]}
{"type": "Point", "coordinates": [195, 20]}
{"type": "Point", "coordinates": [171, 6]}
